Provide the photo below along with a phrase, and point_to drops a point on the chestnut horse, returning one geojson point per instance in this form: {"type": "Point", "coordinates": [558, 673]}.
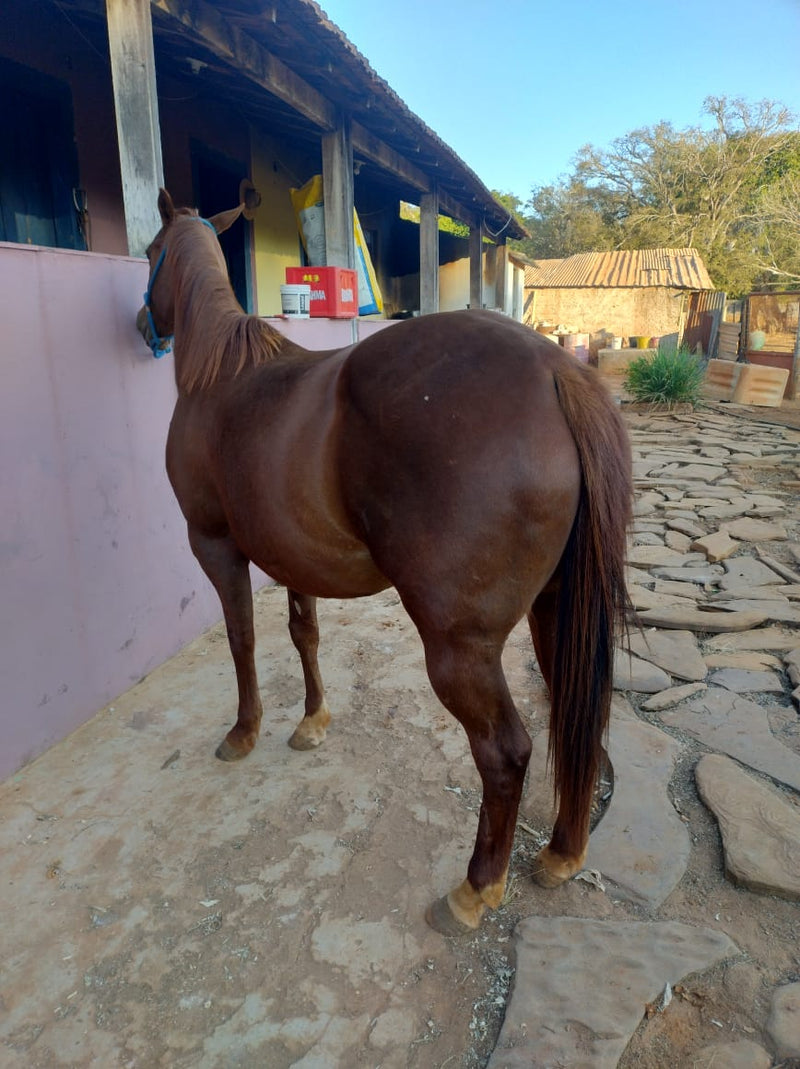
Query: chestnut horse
{"type": "Point", "coordinates": [461, 458]}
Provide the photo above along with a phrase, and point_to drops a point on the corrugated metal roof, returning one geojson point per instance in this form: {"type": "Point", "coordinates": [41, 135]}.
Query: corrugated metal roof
{"type": "Point", "coordinates": [674, 268]}
{"type": "Point", "coordinates": [538, 272]}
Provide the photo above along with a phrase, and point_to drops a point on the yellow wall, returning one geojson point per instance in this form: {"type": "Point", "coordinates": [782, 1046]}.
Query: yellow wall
{"type": "Point", "coordinates": [275, 237]}
{"type": "Point", "coordinates": [454, 285]}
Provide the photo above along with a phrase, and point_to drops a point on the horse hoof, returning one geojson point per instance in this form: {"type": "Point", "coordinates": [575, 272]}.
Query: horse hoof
{"type": "Point", "coordinates": [301, 741]}
{"type": "Point", "coordinates": [440, 917]}
{"type": "Point", "coordinates": [546, 879]}
{"type": "Point", "coordinates": [312, 729]}
{"type": "Point", "coordinates": [226, 752]}
{"type": "Point", "coordinates": [552, 870]}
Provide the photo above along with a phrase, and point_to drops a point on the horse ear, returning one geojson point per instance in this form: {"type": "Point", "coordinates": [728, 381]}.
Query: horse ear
{"type": "Point", "coordinates": [223, 220]}
{"type": "Point", "coordinates": [166, 209]}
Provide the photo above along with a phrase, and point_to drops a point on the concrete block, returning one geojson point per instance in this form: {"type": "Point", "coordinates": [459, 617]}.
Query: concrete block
{"type": "Point", "coordinates": [763, 386]}
{"type": "Point", "coordinates": [720, 379]}
{"type": "Point", "coordinates": [613, 363]}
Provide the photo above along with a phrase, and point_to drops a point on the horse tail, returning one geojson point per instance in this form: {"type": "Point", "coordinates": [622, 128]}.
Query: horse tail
{"type": "Point", "coordinates": [592, 598]}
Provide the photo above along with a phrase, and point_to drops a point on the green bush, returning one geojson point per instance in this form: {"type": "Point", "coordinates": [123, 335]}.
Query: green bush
{"type": "Point", "coordinates": [672, 376]}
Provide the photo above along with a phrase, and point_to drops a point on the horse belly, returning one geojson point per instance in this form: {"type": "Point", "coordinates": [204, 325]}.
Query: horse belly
{"type": "Point", "coordinates": [306, 550]}
{"type": "Point", "coordinates": [320, 573]}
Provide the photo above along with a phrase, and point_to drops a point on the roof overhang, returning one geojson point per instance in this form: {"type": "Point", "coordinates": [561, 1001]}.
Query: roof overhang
{"type": "Point", "coordinates": [289, 68]}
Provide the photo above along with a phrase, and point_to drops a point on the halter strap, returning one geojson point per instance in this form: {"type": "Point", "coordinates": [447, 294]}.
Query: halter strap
{"type": "Point", "coordinates": [162, 346]}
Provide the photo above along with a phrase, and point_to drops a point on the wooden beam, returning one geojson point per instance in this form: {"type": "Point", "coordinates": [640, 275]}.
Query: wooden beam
{"type": "Point", "coordinates": [476, 267]}
{"type": "Point", "coordinates": [367, 145]}
{"type": "Point", "coordinates": [429, 253]}
{"type": "Point", "coordinates": [337, 184]}
{"type": "Point", "coordinates": [133, 75]}
{"type": "Point", "coordinates": [254, 61]}
{"type": "Point", "coordinates": [388, 159]}
{"type": "Point", "coordinates": [457, 211]}
{"type": "Point", "coordinates": [250, 58]}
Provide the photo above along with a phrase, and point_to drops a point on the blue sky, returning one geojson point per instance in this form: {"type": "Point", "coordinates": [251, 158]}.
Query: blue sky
{"type": "Point", "coordinates": [518, 86]}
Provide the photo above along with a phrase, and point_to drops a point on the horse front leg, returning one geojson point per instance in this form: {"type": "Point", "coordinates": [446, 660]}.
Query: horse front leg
{"type": "Point", "coordinates": [303, 628]}
{"type": "Point", "coordinates": [228, 570]}
{"type": "Point", "coordinates": [469, 680]}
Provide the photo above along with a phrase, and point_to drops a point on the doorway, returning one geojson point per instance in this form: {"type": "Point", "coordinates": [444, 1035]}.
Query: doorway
{"type": "Point", "coordinates": [216, 179]}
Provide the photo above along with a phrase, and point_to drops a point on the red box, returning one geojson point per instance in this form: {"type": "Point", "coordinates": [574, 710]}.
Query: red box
{"type": "Point", "coordinates": [334, 290]}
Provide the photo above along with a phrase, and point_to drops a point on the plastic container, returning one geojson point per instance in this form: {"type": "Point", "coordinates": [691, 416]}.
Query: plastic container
{"type": "Point", "coordinates": [296, 300]}
{"type": "Point", "coordinates": [577, 344]}
{"type": "Point", "coordinates": [334, 290]}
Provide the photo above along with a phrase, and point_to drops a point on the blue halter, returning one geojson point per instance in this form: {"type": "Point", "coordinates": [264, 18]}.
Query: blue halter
{"type": "Point", "coordinates": [162, 346]}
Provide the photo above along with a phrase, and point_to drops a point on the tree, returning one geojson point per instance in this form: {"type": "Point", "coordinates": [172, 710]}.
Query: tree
{"type": "Point", "coordinates": [726, 191]}
{"type": "Point", "coordinates": [776, 219]}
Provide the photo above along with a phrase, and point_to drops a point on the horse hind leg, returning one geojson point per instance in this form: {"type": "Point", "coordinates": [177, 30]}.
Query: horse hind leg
{"type": "Point", "coordinates": [542, 620]}
{"type": "Point", "coordinates": [229, 572]}
{"type": "Point", "coordinates": [469, 680]}
{"type": "Point", "coordinates": [303, 628]}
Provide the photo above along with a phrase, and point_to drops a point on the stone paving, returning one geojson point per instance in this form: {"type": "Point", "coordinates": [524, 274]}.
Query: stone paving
{"type": "Point", "coordinates": [715, 658]}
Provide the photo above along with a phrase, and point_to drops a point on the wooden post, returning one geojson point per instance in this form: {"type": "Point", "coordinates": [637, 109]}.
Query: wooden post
{"type": "Point", "coordinates": [429, 252]}
{"type": "Point", "coordinates": [476, 266]}
{"type": "Point", "coordinates": [133, 73]}
{"type": "Point", "coordinates": [793, 384]}
{"type": "Point", "coordinates": [337, 185]}
{"type": "Point", "coordinates": [491, 273]}
{"type": "Point", "coordinates": [500, 277]}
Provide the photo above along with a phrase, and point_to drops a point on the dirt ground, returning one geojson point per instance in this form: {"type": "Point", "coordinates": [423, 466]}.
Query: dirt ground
{"type": "Point", "coordinates": [271, 913]}
{"type": "Point", "coordinates": [263, 914]}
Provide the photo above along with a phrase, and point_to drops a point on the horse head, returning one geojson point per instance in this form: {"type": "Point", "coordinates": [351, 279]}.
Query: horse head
{"type": "Point", "coordinates": [155, 319]}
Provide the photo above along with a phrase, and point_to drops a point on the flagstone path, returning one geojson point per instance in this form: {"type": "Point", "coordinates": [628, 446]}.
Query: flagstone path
{"type": "Point", "coordinates": [705, 683]}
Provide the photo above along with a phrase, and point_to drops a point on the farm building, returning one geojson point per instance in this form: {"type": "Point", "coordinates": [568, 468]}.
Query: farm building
{"type": "Point", "coordinates": [643, 292]}
{"type": "Point", "coordinates": [103, 101]}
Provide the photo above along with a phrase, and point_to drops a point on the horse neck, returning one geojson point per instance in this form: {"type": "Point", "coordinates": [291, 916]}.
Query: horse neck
{"type": "Point", "coordinates": [206, 310]}
{"type": "Point", "coordinates": [213, 338]}
{"type": "Point", "coordinates": [203, 297]}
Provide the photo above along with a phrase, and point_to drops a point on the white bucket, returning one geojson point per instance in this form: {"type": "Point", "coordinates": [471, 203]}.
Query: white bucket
{"type": "Point", "coordinates": [296, 300]}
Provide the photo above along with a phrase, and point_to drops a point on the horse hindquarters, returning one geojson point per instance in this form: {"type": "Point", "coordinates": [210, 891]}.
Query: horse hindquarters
{"type": "Point", "coordinates": [578, 628]}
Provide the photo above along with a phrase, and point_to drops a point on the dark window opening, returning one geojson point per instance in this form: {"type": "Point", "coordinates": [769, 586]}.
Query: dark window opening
{"type": "Point", "coordinates": [39, 194]}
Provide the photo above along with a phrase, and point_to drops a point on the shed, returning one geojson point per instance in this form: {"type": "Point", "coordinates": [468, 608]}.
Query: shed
{"type": "Point", "coordinates": [628, 292]}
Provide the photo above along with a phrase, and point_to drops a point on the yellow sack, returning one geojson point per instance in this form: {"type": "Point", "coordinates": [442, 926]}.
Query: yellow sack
{"type": "Point", "coordinates": [309, 208]}
{"type": "Point", "coordinates": [370, 299]}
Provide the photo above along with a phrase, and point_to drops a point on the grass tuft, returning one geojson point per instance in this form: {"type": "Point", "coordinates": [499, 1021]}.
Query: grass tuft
{"type": "Point", "coordinates": [672, 376]}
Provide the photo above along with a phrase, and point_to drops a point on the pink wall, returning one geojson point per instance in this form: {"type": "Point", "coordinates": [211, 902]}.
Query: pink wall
{"type": "Point", "coordinates": [98, 583]}
{"type": "Point", "coordinates": [328, 333]}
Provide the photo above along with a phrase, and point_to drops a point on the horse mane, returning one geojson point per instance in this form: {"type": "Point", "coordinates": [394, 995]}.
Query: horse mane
{"type": "Point", "coordinates": [217, 339]}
